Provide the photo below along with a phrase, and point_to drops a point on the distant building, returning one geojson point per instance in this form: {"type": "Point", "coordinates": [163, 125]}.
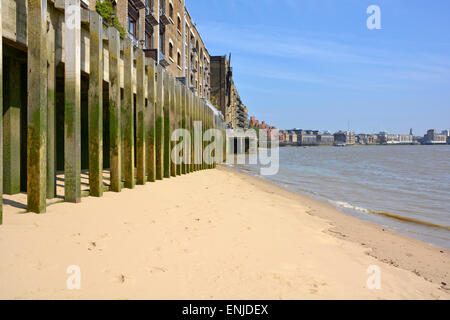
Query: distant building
{"type": "Point", "coordinates": [366, 139]}
{"type": "Point", "coordinates": [432, 137]}
{"type": "Point", "coordinates": [325, 138]}
{"type": "Point", "coordinates": [346, 137]}
{"type": "Point", "coordinates": [307, 137]}
{"type": "Point", "coordinates": [292, 137]}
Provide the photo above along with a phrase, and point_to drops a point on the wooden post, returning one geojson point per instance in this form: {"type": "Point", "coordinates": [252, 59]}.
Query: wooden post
{"type": "Point", "coordinates": [191, 124]}
{"type": "Point", "coordinates": [159, 122]}
{"type": "Point", "coordinates": [51, 115]}
{"type": "Point", "coordinates": [184, 125]}
{"type": "Point", "coordinates": [173, 122]}
{"type": "Point", "coordinates": [72, 101]}
{"type": "Point", "coordinates": [179, 119]}
{"type": "Point", "coordinates": [37, 106]}
{"type": "Point", "coordinates": [127, 114]}
{"type": "Point", "coordinates": [167, 124]}
{"type": "Point", "coordinates": [1, 115]}
{"type": "Point", "coordinates": [151, 128]}
{"type": "Point", "coordinates": [96, 105]}
{"type": "Point", "coordinates": [205, 127]}
{"type": "Point", "coordinates": [11, 130]}
{"type": "Point", "coordinates": [114, 110]}
{"type": "Point", "coordinates": [140, 118]}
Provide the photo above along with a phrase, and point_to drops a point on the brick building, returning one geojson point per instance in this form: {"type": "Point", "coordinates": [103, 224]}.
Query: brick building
{"type": "Point", "coordinates": [224, 94]}
{"type": "Point", "coordinates": [160, 26]}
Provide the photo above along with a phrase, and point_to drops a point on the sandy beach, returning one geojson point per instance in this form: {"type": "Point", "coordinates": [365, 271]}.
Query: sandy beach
{"type": "Point", "coordinates": [216, 234]}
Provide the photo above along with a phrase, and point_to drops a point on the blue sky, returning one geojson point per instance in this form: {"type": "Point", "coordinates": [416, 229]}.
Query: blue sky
{"type": "Point", "coordinates": [314, 64]}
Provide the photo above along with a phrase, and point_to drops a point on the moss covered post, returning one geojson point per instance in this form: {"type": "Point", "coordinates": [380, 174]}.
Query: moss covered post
{"type": "Point", "coordinates": [51, 114]}
{"type": "Point", "coordinates": [173, 122]}
{"type": "Point", "coordinates": [11, 129]}
{"type": "Point", "coordinates": [95, 105]}
{"type": "Point", "coordinates": [184, 165]}
{"type": "Point", "coordinates": [179, 115]}
{"type": "Point", "coordinates": [159, 122]}
{"type": "Point", "coordinates": [198, 141]}
{"type": "Point", "coordinates": [37, 106]}
{"type": "Point", "coordinates": [191, 124]}
{"type": "Point", "coordinates": [72, 101]}
{"type": "Point", "coordinates": [1, 116]}
{"type": "Point", "coordinates": [151, 114]}
{"type": "Point", "coordinates": [141, 178]}
{"type": "Point", "coordinates": [127, 115]}
{"type": "Point", "coordinates": [167, 124]}
{"type": "Point", "coordinates": [115, 153]}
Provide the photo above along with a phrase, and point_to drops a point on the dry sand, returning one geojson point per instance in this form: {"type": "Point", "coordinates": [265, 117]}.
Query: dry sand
{"type": "Point", "coordinates": [215, 234]}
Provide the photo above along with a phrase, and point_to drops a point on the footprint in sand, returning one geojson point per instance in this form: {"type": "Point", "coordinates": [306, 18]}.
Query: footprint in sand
{"type": "Point", "coordinates": [92, 245]}
{"type": "Point", "coordinates": [121, 278]}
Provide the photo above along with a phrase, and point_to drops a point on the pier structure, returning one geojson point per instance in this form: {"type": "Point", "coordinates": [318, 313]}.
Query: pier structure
{"type": "Point", "coordinates": [80, 98]}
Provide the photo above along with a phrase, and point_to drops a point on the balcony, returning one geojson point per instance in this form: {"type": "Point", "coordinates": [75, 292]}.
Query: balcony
{"type": "Point", "coordinates": [150, 17]}
{"type": "Point", "coordinates": [139, 4]}
{"type": "Point", "coordinates": [163, 60]}
{"type": "Point", "coordinates": [163, 18]}
{"type": "Point", "coordinates": [151, 53]}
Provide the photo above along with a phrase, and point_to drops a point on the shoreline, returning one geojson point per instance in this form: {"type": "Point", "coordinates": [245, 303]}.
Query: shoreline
{"type": "Point", "coordinates": [214, 234]}
{"type": "Point", "coordinates": [341, 226]}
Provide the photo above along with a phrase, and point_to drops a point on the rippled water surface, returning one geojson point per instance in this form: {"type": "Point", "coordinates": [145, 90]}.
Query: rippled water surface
{"type": "Point", "coordinates": [411, 182]}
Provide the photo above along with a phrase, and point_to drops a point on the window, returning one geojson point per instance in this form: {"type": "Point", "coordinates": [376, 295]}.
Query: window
{"type": "Point", "coordinates": [162, 39]}
{"type": "Point", "coordinates": [171, 11]}
{"type": "Point", "coordinates": [178, 59]}
{"type": "Point", "coordinates": [148, 41]}
{"type": "Point", "coordinates": [132, 26]}
{"type": "Point", "coordinates": [132, 19]}
{"type": "Point", "coordinates": [170, 50]}
{"type": "Point", "coordinates": [179, 23]}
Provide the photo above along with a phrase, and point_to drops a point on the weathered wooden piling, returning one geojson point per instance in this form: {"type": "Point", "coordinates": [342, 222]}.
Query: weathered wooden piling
{"type": "Point", "coordinates": [37, 106]}
{"type": "Point", "coordinates": [114, 110]}
{"type": "Point", "coordinates": [167, 124]}
{"type": "Point", "coordinates": [72, 101]}
{"type": "Point", "coordinates": [128, 115]}
{"type": "Point", "coordinates": [159, 123]}
{"type": "Point", "coordinates": [140, 119]}
{"type": "Point", "coordinates": [151, 127]}
{"type": "Point", "coordinates": [179, 117]}
{"type": "Point", "coordinates": [11, 129]}
{"type": "Point", "coordinates": [51, 112]}
{"type": "Point", "coordinates": [188, 128]}
{"type": "Point", "coordinates": [191, 120]}
{"type": "Point", "coordinates": [95, 105]}
{"type": "Point", "coordinates": [184, 126]}
{"type": "Point", "coordinates": [1, 116]}
{"type": "Point", "coordinates": [173, 122]}
{"type": "Point", "coordinates": [199, 131]}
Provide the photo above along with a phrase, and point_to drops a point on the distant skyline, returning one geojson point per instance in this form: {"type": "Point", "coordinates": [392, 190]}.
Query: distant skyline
{"type": "Point", "coordinates": [313, 64]}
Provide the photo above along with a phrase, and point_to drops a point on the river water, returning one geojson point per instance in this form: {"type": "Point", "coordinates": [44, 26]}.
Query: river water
{"type": "Point", "coordinates": [404, 188]}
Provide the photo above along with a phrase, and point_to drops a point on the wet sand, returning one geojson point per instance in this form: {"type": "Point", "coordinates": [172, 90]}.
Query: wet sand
{"type": "Point", "coordinates": [216, 234]}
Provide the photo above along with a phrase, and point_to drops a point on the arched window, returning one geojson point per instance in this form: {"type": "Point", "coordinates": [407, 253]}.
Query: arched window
{"type": "Point", "coordinates": [170, 50]}
{"type": "Point", "coordinates": [171, 11]}
{"type": "Point", "coordinates": [179, 23]}
{"type": "Point", "coordinates": [178, 59]}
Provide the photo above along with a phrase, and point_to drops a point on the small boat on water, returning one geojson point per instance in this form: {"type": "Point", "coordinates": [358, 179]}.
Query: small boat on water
{"type": "Point", "coordinates": [340, 144]}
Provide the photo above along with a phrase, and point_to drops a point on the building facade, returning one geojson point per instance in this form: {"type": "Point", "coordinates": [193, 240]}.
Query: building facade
{"type": "Point", "coordinates": [224, 94]}
{"type": "Point", "coordinates": [346, 137]}
{"type": "Point", "coordinates": [166, 31]}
